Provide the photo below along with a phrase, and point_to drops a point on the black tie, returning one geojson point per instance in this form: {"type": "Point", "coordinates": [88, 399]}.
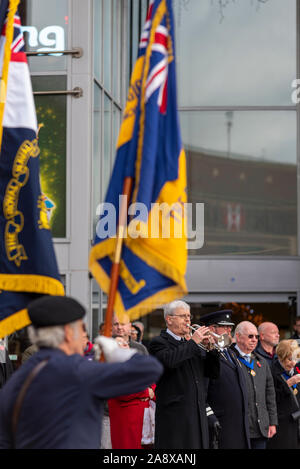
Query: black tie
{"type": "Point", "coordinates": [227, 355]}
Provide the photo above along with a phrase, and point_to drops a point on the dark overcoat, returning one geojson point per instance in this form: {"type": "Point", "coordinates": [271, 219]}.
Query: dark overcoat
{"type": "Point", "coordinates": [63, 406]}
{"type": "Point", "coordinates": [262, 409]}
{"type": "Point", "coordinates": [6, 367]}
{"type": "Point", "coordinates": [180, 421]}
{"type": "Point", "coordinates": [228, 398]}
{"type": "Point", "coordinates": [287, 436]}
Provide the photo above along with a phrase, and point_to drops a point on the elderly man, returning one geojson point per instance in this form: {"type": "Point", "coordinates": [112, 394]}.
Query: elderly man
{"type": "Point", "coordinates": [55, 400]}
{"type": "Point", "coordinates": [228, 395]}
{"type": "Point", "coordinates": [268, 340]}
{"type": "Point", "coordinates": [181, 420]}
{"type": "Point", "coordinates": [262, 410]}
{"type": "Point", "coordinates": [122, 328]}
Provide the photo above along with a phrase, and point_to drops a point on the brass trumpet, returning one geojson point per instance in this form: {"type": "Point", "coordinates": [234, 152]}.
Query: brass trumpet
{"type": "Point", "coordinates": [222, 342]}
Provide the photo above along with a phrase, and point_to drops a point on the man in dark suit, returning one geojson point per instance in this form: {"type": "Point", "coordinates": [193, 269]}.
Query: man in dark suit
{"type": "Point", "coordinates": [262, 411]}
{"type": "Point", "coordinates": [227, 395]}
{"type": "Point", "coordinates": [61, 406]}
{"type": "Point", "coordinates": [180, 420]}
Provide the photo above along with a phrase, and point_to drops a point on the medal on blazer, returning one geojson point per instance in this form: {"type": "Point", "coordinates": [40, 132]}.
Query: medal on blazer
{"type": "Point", "coordinates": [248, 365]}
{"type": "Point", "coordinates": [294, 386]}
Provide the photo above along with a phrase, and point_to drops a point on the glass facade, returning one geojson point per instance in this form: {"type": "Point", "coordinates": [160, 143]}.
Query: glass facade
{"type": "Point", "coordinates": [236, 64]}
{"type": "Point", "coordinates": [45, 28]}
{"type": "Point", "coordinates": [107, 95]}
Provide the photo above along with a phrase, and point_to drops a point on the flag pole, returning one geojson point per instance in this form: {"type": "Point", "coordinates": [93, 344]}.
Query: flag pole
{"type": "Point", "coordinates": [115, 269]}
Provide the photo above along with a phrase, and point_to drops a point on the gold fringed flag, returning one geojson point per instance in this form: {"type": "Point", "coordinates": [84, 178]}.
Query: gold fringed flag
{"type": "Point", "coordinates": [27, 260]}
{"type": "Point", "coordinates": [149, 151]}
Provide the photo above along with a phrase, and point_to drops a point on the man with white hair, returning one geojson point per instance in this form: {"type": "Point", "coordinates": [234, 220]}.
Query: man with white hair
{"type": "Point", "coordinates": [55, 400]}
{"type": "Point", "coordinates": [262, 409]}
{"type": "Point", "coordinates": [268, 340]}
{"type": "Point", "coordinates": [180, 420]}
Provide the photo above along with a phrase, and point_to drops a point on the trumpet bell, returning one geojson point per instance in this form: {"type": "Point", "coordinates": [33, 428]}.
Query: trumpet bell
{"type": "Point", "coordinates": [224, 341]}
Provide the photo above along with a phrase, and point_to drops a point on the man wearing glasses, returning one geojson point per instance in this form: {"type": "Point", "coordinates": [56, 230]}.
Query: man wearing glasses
{"type": "Point", "coordinates": [180, 421]}
{"type": "Point", "coordinates": [262, 410]}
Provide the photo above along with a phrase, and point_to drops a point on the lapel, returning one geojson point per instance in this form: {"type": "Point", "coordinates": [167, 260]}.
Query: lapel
{"type": "Point", "coordinates": [169, 338]}
{"type": "Point", "coordinates": [226, 361]}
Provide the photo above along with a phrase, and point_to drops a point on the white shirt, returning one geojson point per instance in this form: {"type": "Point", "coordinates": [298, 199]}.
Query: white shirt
{"type": "Point", "coordinates": [243, 354]}
{"type": "Point", "coordinates": [176, 337]}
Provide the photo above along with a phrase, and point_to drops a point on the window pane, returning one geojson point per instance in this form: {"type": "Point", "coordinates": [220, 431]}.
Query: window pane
{"type": "Point", "coordinates": [107, 43]}
{"type": "Point", "coordinates": [96, 155]}
{"type": "Point", "coordinates": [107, 144]}
{"type": "Point", "coordinates": [243, 167]}
{"type": "Point", "coordinates": [51, 113]}
{"type": "Point", "coordinates": [248, 58]}
{"type": "Point", "coordinates": [98, 39]}
{"type": "Point", "coordinates": [116, 50]}
{"type": "Point", "coordinates": [45, 26]}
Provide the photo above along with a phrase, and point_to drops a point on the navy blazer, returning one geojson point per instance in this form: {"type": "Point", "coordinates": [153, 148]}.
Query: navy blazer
{"type": "Point", "coordinates": [63, 406]}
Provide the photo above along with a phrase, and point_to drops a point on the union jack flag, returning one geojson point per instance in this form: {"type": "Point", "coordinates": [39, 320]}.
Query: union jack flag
{"type": "Point", "coordinates": [27, 263]}
{"type": "Point", "coordinates": [158, 76]}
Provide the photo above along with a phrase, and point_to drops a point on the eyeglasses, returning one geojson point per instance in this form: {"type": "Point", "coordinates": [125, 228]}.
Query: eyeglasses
{"type": "Point", "coordinates": [184, 316]}
{"type": "Point", "coordinates": [251, 336]}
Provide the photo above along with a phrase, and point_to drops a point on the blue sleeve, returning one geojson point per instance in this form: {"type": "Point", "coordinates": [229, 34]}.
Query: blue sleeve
{"type": "Point", "coordinates": [108, 380]}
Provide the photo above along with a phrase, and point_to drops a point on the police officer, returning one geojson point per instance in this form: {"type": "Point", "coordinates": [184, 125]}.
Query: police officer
{"type": "Point", "coordinates": [55, 400]}
{"type": "Point", "coordinates": [227, 395]}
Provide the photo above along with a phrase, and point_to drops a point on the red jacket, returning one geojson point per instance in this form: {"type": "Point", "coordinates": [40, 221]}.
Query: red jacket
{"type": "Point", "coordinates": [126, 419]}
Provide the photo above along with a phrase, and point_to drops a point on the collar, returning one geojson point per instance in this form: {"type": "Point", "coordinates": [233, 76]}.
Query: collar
{"type": "Point", "coordinates": [176, 337]}
{"type": "Point", "coordinates": [243, 354]}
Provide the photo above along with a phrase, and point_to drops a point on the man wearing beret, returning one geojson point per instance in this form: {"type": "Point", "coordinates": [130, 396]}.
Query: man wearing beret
{"type": "Point", "coordinates": [55, 400]}
{"type": "Point", "coordinates": [227, 395]}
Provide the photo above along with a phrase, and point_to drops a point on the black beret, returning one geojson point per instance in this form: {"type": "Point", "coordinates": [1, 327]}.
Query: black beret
{"type": "Point", "coordinates": [222, 318]}
{"type": "Point", "coordinates": [54, 311]}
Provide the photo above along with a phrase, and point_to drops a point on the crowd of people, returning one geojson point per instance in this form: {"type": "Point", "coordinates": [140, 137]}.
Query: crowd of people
{"type": "Point", "coordinates": [214, 385]}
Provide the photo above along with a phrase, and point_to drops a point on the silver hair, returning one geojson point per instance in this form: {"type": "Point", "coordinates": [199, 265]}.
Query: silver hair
{"type": "Point", "coordinates": [50, 337]}
{"type": "Point", "coordinates": [170, 308]}
{"type": "Point", "coordinates": [240, 328]}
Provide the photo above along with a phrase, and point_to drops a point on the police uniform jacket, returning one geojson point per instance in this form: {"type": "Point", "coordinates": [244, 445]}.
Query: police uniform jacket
{"type": "Point", "coordinates": [180, 420]}
{"type": "Point", "coordinates": [228, 397]}
{"type": "Point", "coordinates": [262, 408]}
{"type": "Point", "coordinates": [63, 406]}
{"type": "Point", "coordinates": [288, 403]}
